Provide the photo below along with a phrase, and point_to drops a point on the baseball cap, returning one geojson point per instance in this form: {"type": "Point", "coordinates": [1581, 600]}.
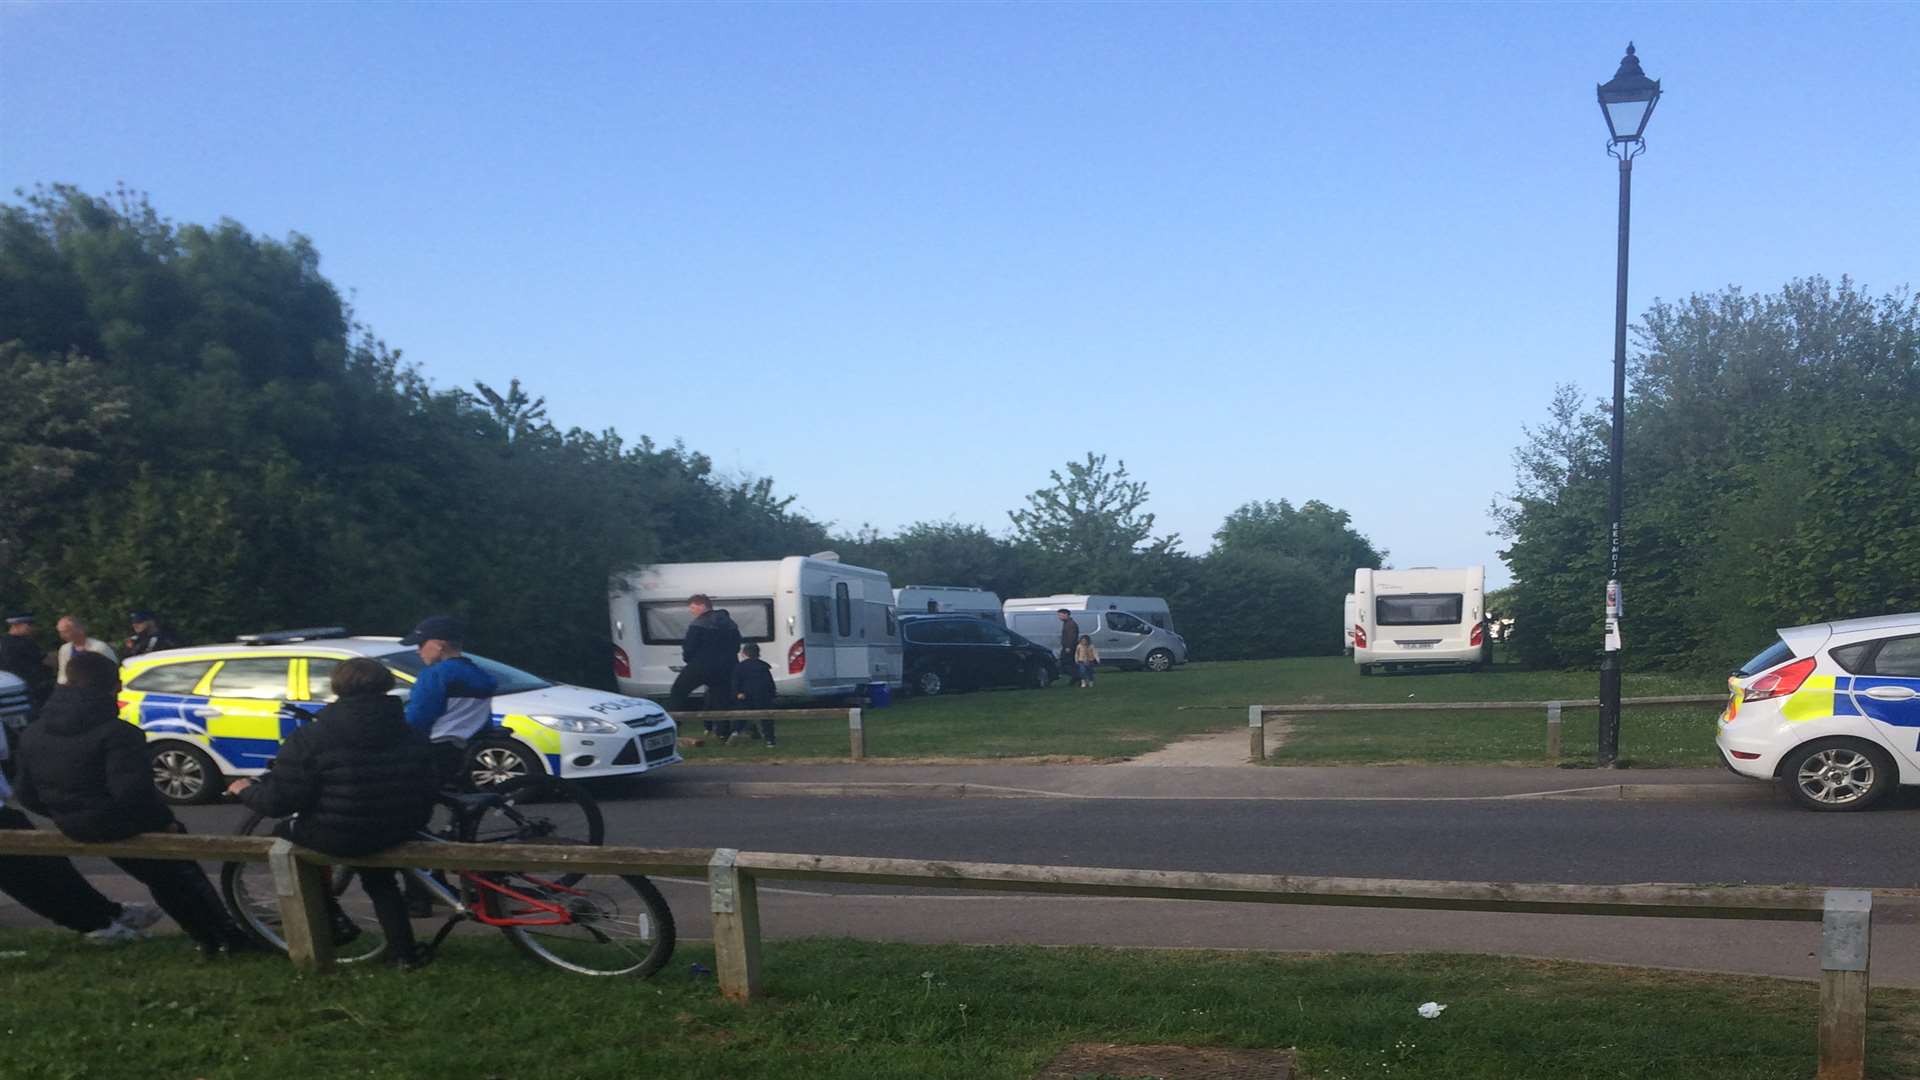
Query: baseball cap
{"type": "Point", "coordinates": [437, 628]}
{"type": "Point", "coordinates": [139, 616]}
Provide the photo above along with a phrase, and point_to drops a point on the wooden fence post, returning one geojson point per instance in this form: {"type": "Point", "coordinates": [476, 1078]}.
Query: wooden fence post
{"type": "Point", "coordinates": [736, 926]}
{"type": "Point", "coordinates": [1845, 939]}
{"type": "Point", "coordinates": [1553, 730]}
{"type": "Point", "coordinates": [1256, 734]}
{"type": "Point", "coordinates": [304, 923]}
{"type": "Point", "coordinates": [856, 735]}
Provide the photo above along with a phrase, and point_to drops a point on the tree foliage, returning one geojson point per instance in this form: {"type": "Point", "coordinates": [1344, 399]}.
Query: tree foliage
{"type": "Point", "coordinates": [1773, 449]}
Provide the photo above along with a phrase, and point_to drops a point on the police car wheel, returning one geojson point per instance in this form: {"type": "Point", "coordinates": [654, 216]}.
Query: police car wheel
{"type": "Point", "coordinates": [504, 766]}
{"type": "Point", "coordinates": [183, 775]}
{"type": "Point", "coordinates": [1838, 774]}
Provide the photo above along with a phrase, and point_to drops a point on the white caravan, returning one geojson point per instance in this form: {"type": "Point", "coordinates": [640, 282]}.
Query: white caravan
{"type": "Point", "coordinates": [1420, 616]}
{"type": "Point", "coordinates": [1151, 608]}
{"type": "Point", "coordinates": [1353, 616]}
{"type": "Point", "coordinates": [948, 599]}
{"type": "Point", "coordinates": [827, 629]}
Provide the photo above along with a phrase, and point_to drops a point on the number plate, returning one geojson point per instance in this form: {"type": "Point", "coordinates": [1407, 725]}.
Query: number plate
{"type": "Point", "coordinates": [655, 742]}
{"type": "Point", "coordinates": [1414, 644]}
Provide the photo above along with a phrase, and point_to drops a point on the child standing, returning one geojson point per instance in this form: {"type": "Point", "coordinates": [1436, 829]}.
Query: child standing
{"type": "Point", "coordinates": [1085, 659]}
{"type": "Point", "coordinates": [753, 686]}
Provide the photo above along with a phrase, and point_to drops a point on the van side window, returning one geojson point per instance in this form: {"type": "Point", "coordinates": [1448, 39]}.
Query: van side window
{"type": "Point", "coordinates": [843, 608]}
{"type": "Point", "coordinates": [819, 615]}
{"type": "Point", "coordinates": [1125, 623]}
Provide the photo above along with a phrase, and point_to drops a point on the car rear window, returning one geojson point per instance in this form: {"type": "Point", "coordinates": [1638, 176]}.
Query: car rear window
{"type": "Point", "coordinates": [171, 678]}
{"type": "Point", "coordinates": [1772, 656]}
{"type": "Point", "coordinates": [1419, 609]}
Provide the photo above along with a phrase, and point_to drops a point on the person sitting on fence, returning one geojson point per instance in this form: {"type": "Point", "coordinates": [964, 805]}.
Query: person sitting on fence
{"type": "Point", "coordinates": [359, 780]}
{"type": "Point", "coordinates": [50, 887]}
{"type": "Point", "coordinates": [753, 689]}
{"type": "Point", "coordinates": [89, 771]}
{"type": "Point", "coordinates": [1085, 660]}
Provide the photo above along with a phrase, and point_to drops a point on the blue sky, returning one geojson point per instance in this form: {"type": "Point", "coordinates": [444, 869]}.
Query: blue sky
{"type": "Point", "coordinates": [906, 258]}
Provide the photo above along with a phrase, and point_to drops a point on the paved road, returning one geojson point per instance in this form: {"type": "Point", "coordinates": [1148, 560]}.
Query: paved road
{"type": "Point", "coordinates": [1582, 842]}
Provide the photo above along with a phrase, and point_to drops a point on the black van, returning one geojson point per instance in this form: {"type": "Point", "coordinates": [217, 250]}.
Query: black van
{"type": "Point", "coordinates": [962, 652]}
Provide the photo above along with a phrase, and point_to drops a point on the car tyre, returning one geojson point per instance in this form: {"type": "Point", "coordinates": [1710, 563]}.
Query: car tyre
{"type": "Point", "coordinates": [503, 765]}
{"type": "Point", "coordinates": [928, 682]}
{"type": "Point", "coordinates": [1838, 774]}
{"type": "Point", "coordinates": [1159, 660]}
{"type": "Point", "coordinates": [1039, 676]}
{"type": "Point", "coordinates": [183, 774]}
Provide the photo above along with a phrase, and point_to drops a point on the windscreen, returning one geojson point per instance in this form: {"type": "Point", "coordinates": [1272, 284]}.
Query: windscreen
{"type": "Point", "coordinates": [507, 679]}
{"type": "Point", "coordinates": [665, 622]}
{"type": "Point", "coordinates": [1419, 609]}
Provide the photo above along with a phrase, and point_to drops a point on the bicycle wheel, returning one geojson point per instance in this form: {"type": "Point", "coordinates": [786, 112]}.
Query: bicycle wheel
{"type": "Point", "coordinates": [250, 896]}
{"type": "Point", "coordinates": [597, 924]}
{"type": "Point", "coordinates": [566, 815]}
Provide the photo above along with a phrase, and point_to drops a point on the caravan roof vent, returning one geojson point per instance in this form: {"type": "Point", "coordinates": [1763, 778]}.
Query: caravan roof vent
{"type": "Point", "coordinates": [825, 556]}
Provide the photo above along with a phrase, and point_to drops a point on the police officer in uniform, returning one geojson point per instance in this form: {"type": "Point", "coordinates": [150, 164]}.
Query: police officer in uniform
{"type": "Point", "coordinates": [147, 635]}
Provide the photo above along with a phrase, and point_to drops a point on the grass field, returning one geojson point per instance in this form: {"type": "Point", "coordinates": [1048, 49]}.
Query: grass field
{"type": "Point", "coordinates": [866, 1012]}
{"type": "Point", "coordinates": [1129, 713]}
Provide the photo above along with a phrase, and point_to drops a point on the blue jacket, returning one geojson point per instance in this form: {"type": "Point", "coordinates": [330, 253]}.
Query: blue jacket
{"type": "Point", "coordinates": [452, 701]}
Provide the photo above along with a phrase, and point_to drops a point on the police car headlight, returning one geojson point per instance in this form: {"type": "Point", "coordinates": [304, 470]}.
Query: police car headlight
{"type": "Point", "coordinates": [579, 725]}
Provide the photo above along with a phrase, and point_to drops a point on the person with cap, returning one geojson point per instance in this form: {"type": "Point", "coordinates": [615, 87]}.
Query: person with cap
{"type": "Point", "coordinates": [74, 639]}
{"type": "Point", "coordinates": [452, 699]}
{"type": "Point", "coordinates": [1069, 639]}
{"type": "Point", "coordinates": [52, 888]}
{"type": "Point", "coordinates": [90, 771]}
{"type": "Point", "coordinates": [147, 635]}
{"type": "Point", "coordinates": [20, 655]}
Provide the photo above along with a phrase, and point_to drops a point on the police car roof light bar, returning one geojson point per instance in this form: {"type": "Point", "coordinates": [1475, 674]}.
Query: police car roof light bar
{"type": "Point", "coordinates": [280, 637]}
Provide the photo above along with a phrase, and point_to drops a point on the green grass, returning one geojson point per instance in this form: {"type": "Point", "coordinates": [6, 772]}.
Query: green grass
{"type": "Point", "coordinates": [839, 1009]}
{"type": "Point", "coordinates": [1129, 713]}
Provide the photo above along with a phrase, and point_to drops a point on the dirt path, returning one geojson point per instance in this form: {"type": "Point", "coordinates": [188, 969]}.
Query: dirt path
{"type": "Point", "coordinates": [1220, 748]}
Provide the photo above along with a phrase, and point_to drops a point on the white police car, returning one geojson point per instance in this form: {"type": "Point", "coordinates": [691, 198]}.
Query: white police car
{"type": "Point", "coordinates": [212, 712]}
{"type": "Point", "coordinates": [1833, 709]}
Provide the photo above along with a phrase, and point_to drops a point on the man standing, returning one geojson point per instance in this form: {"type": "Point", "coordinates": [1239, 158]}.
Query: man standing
{"type": "Point", "coordinates": [709, 647]}
{"type": "Point", "coordinates": [1069, 640]}
{"type": "Point", "coordinates": [22, 657]}
{"type": "Point", "coordinates": [147, 635]}
{"type": "Point", "coordinates": [73, 635]}
{"type": "Point", "coordinates": [452, 700]}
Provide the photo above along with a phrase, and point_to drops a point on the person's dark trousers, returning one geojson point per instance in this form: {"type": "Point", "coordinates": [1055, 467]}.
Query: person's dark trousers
{"type": "Point", "coordinates": [449, 760]}
{"type": "Point", "coordinates": [390, 907]}
{"type": "Point", "coordinates": [1066, 663]}
{"type": "Point", "coordinates": [718, 685]}
{"type": "Point", "coordinates": [50, 886]}
{"type": "Point", "coordinates": [182, 890]}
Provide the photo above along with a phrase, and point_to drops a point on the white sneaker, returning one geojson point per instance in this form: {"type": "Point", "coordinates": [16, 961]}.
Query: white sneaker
{"type": "Point", "coordinates": [138, 916]}
{"type": "Point", "coordinates": [114, 934]}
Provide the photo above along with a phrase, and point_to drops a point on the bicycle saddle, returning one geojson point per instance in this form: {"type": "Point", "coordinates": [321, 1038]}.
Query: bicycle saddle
{"type": "Point", "coordinates": [471, 802]}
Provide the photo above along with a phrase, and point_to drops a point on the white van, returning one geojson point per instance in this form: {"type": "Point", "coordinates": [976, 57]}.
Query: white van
{"type": "Point", "coordinates": [827, 629]}
{"type": "Point", "coordinates": [1422, 616]}
{"type": "Point", "coordinates": [1151, 608]}
{"type": "Point", "coordinates": [948, 600]}
{"type": "Point", "coordinates": [1352, 623]}
{"type": "Point", "coordinates": [1122, 638]}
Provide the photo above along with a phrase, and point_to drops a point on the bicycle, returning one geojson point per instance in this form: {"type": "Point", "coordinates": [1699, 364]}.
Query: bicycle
{"type": "Point", "coordinates": [590, 924]}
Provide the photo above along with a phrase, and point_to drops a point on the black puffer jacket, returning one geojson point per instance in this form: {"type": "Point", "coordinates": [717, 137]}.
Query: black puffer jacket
{"type": "Point", "coordinates": [358, 776]}
{"type": "Point", "coordinates": [89, 770]}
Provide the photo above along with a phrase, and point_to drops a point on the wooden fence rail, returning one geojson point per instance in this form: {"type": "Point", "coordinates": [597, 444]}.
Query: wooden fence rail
{"type": "Point", "coordinates": [1257, 714]}
{"type": "Point", "coordinates": [855, 718]}
{"type": "Point", "coordinates": [733, 876]}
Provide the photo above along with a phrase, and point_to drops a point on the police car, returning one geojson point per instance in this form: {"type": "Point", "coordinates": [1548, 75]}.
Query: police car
{"type": "Point", "coordinates": [212, 712]}
{"type": "Point", "coordinates": [1831, 708]}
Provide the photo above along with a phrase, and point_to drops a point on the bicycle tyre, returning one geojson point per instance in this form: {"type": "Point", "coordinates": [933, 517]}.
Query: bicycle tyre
{"type": "Point", "coordinates": [248, 891]}
{"type": "Point", "coordinates": [607, 935]}
{"type": "Point", "coordinates": [565, 814]}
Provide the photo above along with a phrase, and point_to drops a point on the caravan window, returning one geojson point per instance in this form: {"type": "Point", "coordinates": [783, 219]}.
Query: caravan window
{"type": "Point", "coordinates": [1419, 609]}
{"type": "Point", "coordinates": [843, 608]}
{"type": "Point", "coordinates": [819, 615]}
{"type": "Point", "coordinates": [665, 622]}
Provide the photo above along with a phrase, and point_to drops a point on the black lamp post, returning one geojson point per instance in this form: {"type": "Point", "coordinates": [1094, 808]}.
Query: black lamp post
{"type": "Point", "coordinates": [1627, 101]}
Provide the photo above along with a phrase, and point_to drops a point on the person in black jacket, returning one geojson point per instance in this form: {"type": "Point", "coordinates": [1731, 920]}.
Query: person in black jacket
{"type": "Point", "coordinates": [753, 689]}
{"type": "Point", "coordinates": [88, 770]}
{"type": "Point", "coordinates": [708, 649]}
{"type": "Point", "coordinates": [360, 780]}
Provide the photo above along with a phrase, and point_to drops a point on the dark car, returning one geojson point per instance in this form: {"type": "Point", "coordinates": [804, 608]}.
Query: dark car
{"type": "Point", "coordinates": [962, 652]}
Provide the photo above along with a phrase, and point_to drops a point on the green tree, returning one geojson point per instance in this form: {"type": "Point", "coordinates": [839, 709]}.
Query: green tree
{"type": "Point", "coordinates": [1088, 532]}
